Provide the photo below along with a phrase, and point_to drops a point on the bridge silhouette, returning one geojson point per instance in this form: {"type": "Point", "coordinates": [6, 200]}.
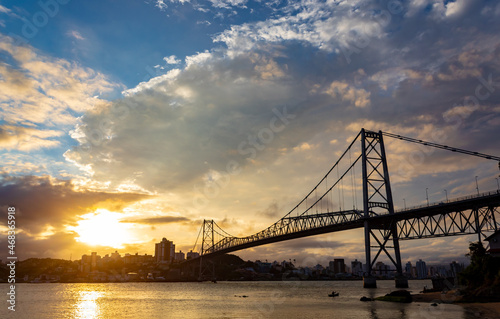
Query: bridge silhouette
{"type": "Point", "coordinates": [323, 210]}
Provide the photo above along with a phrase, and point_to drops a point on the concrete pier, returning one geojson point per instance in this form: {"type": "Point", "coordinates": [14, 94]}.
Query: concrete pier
{"type": "Point", "coordinates": [369, 282]}
{"type": "Point", "coordinates": [401, 282]}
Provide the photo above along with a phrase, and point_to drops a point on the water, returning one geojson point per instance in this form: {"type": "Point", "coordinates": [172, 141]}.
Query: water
{"type": "Point", "coordinates": [222, 300]}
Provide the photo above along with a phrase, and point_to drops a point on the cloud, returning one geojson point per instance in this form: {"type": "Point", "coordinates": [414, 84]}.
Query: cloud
{"type": "Point", "coordinates": [75, 34]}
{"type": "Point", "coordinates": [198, 58]}
{"type": "Point", "coordinates": [37, 89]}
{"type": "Point", "coordinates": [157, 220]}
{"type": "Point", "coordinates": [227, 4]}
{"type": "Point", "coordinates": [42, 202]}
{"type": "Point", "coordinates": [4, 9]}
{"type": "Point", "coordinates": [272, 211]}
{"type": "Point", "coordinates": [26, 138]}
{"type": "Point", "coordinates": [342, 90]}
{"type": "Point", "coordinates": [172, 59]}
{"type": "Point", "coordinates": [457, 8]}
{"type": "Point", "coordinates": [161, 5]}
{"type": "Point", "coordinates": [309, 242]}
{"type": "Point", "coordinates": [308, 251]}
{"type": "Point", "coordinates": [197, 119]}
{"type": "Point", "coordinates": [205, 22]}
{"type": "Point", "coordinates": [206, 100]}
{"type": "Point", "coordinates": [327, 25]}
{"type": "Point", "coordinates": [58, 245]}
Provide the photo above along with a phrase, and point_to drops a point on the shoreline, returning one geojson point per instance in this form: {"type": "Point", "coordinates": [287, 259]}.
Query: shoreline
{"type": "Point", "coordinates": [484, 310]}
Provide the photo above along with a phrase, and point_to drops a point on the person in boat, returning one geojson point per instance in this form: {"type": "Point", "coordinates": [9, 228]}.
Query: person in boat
{"type": "Point", "coordinates": [334, 294]}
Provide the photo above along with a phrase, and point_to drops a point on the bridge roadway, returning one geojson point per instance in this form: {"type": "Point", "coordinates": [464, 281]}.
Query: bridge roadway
{"type": "Point", "coordinates": [314, 224]}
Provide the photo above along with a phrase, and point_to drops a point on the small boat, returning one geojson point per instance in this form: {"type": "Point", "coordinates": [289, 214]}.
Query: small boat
{"type": "Point", "coordinates": [333, 294]}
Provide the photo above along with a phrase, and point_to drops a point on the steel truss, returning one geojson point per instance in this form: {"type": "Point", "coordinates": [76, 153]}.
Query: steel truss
{"type": "Point", "coordinates": [207, 267]}
{"type": "Point", "coordinates": [377, 200]}
{"type": "Point", "coordinates": [478, 220]}
{"type": "Point", "coordinates": [288, 226]}
{"type": "Point", "coordinates": [472, 215]}
{"type": "Point", "coordinates": [383, 227]}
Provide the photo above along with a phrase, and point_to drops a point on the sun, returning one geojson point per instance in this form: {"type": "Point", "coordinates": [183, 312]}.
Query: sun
{"type": "Point", "coordinates": [103, 228]}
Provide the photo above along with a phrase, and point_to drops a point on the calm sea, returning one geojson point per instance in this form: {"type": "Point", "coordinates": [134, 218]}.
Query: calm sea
{"type": "Point", "coordinates": [288, 300]}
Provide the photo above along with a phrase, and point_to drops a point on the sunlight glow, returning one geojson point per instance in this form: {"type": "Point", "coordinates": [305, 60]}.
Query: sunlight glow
{"type": "Point", "coordinates": [88, 306]}
{"type": "Point", "coordinates": [103, 228]}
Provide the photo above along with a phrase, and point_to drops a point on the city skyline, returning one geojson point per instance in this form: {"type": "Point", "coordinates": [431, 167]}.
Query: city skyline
{"type": "Point", "coordinates": [165, 253]}
{"type": "Point", "coordinates": [122, 124]}
{"type": "Point", "coordinates": [94, 264]}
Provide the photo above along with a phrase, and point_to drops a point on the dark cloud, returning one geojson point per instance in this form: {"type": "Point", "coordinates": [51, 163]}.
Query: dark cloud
{"type": "Point", "coordinates": [307, 243]}
{"type": "Point", "coordinates": [409, 73]}
{"type": "Point", "coordinates": [308, 251]}
{"type": "Point", "coordinates": [57, 245]}
{"type": "Point", "coordinates": [272, 211]}
{"type": "Point", "coordinates": [41, 202]}
{"type": "Point", "coordinates": [157, 220]}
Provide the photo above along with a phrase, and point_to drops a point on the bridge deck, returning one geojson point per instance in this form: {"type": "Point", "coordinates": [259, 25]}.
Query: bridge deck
{"type": "Point", "coordinates": [310, 225]}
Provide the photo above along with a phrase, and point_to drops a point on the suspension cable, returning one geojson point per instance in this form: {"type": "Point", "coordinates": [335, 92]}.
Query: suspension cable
{"type": "Point", "coordinates": [225, 232]}
{"type": "Point", "coordinates": [342, 190]}
{"type": "Point", "coordinates": [324, 177]}
{"type": "Point", "coordinates": [316, 197]}
{"type": "Point", "coordinates": [444, 147]}
{"type": "Point", "coordinates": [340, 200]}
{"type": "Point", "coordinates": [327, 200]}
{"type": "Point", "coordinates": [339, 180]}
{"type": "Point", "coordinates": [197, 237]}
{"type": "Point", "coordinates": [314, 189]}
{"type": "Point", "coordinates": [352, 170]}
{"type": "Point", "coordinates": [355, 187]}
{"type": "Point", "coordinates": [352, 183]}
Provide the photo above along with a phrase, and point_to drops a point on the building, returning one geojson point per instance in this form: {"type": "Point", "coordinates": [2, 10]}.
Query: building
{"type": "Point", "coordinates": [263, 268]}
{"type": "Point", "coordinates": [357, 268]}
{"type": "Point", "coordinates": [455, 269]}
{"type": "Point", "coordinates": [115, 255]}
{"type": "Point", "coordinates": [408, 269]}
{"type": "Point", "coordinates": [318, 268]}
{"type": "Point", "coordinates": [421, 269]}
{"type": "Point", "coordinates": [179, 256]}
{"type": "Point", "coordinates": [94, 259]}
{"type": "Point", "coordinates": [337, 266]}
{"type": "Point", "coordinates": [164, 251]}
{"type": "Point", "coordinates": [138, 259]}
{"type": "Point", "coordinates": [191, 255]}
{"type": "Point", "coordinates": [432, 271]}
{"type": "Point", "coordinates": [382, 269]}
{"type": "Point", "coordinates": [85, 264]}
{"type": "Point", "coordinates": [90, 263]}
{"type": "Point", "coordinates": [414, 272]}
{"type": "Point", "coordinates": [442, 272]}
{"type": "Point", "coordinates": [494, 241]}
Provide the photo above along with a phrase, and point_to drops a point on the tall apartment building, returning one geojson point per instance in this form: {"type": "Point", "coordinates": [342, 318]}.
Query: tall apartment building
{"type": "Point", "coordinates": [164, 251]}
{"type": "Point", "coordinates": [421, 269]}
{"type": "Point", "coordinates": [337, 266]}
{"type": "Point", "coordinates": [357, 268]}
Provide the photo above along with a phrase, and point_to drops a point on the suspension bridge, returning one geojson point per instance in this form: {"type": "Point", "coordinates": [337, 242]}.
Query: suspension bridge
{"type": "Point", "coordinates": [324, 210]}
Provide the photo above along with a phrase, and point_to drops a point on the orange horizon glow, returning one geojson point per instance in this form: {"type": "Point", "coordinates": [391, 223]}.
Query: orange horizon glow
{"type": "Point", "coordinates": [103, 228]}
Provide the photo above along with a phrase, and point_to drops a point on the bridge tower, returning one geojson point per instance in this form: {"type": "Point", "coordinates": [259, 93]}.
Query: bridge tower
{"type": "Point", "coordinates": [377, 199]}
{"type": "Point", "coordinates": [207, 267]}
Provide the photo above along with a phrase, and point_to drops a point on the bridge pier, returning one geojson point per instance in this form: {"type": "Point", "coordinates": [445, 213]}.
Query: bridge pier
{"type": "Point", "coordinates": [369, 282]}
{"type": "Point", "coordinates": [377, 200]}
{"type": "Point", "coordinates": [401, 282]}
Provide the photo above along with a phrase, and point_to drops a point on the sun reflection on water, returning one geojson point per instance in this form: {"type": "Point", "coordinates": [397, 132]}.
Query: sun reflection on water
{"type": "Point", "coordinates": [88, 305]}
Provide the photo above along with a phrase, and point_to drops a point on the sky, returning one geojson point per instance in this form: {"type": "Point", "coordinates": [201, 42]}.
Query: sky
{"type": "Point", "coordinates": [123, 122]}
